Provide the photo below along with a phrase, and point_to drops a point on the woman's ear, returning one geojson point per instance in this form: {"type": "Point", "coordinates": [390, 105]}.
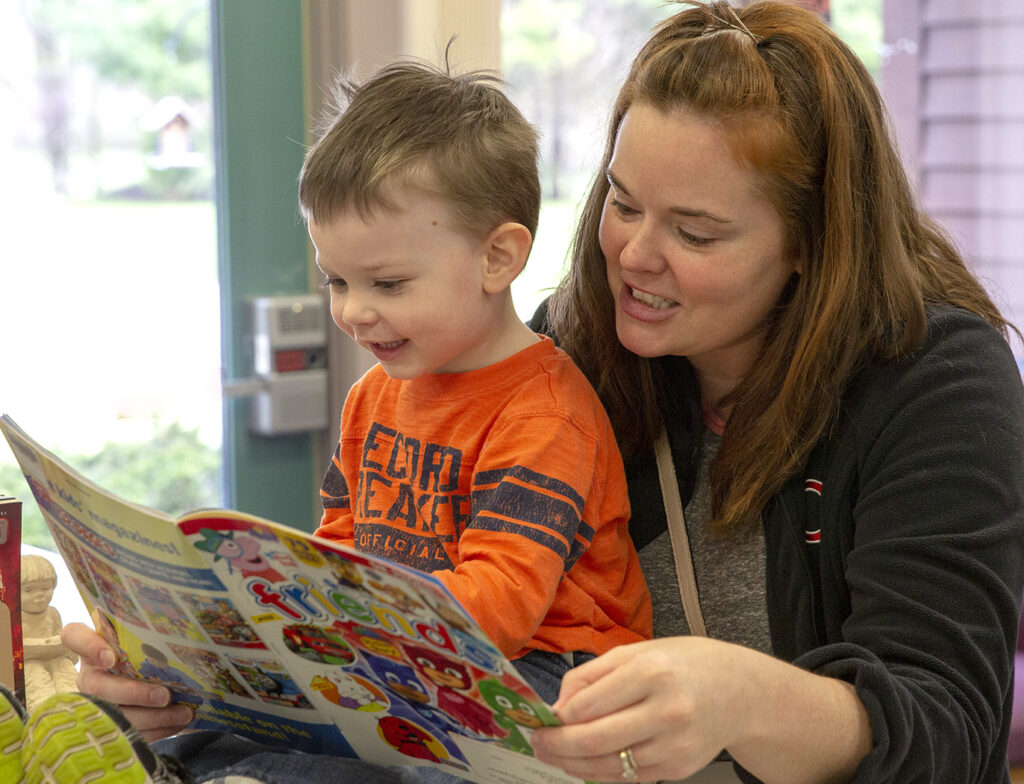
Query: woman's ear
{"type": "Point", "coordinates": [507, 248]}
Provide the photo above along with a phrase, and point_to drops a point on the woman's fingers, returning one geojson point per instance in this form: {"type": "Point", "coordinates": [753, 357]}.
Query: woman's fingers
{"type": "Point", "coordinates": [604, 691]}
{"type": "Point", "coordinates": [594, 751]}
{"type": "Point", "coordinates": [610, 767]}
{"type": "Point", "coordinates": [590, 672]}
{"type": "Point", "coordinates": [668, 701]}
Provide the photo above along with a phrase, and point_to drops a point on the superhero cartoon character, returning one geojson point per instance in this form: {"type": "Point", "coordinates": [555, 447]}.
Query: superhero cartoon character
{"type": "Point", "coordinates": [452, 679]}
{"type": "Point", "coordinates": [398, 678]}
{"type": "Point", "coordinates": [512, 711]}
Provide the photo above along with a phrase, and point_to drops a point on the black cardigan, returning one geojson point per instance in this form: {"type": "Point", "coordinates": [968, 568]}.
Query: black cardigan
{"type": "Point", "coordinates": [902, 571]}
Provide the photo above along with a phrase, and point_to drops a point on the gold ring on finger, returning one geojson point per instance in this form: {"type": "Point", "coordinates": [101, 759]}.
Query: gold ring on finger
{"type": "Point", "coordinates": [628, 764]}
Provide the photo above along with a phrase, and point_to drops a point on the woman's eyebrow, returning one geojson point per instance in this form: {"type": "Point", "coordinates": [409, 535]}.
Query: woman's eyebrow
{"type": "Point", "coordinates": [689, 212]}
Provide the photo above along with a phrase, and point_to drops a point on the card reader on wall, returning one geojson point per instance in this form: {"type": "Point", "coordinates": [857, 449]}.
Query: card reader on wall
{"type": "Point", "coordinates": [289, 344]}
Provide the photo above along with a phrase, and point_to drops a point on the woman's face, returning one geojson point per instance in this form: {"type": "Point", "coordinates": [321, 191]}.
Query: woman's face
{"type": "Point", "coordinates": [694, 255]}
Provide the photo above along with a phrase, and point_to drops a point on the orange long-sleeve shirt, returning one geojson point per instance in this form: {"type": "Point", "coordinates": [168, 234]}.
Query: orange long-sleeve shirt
{"type": "Point", "coordinates": [506, 484]}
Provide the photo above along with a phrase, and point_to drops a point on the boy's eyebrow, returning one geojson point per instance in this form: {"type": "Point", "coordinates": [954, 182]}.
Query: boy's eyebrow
{"type": "Point", "coordinates": [369, 268]}
{"type": "Point", "coordinates": [689, 212]}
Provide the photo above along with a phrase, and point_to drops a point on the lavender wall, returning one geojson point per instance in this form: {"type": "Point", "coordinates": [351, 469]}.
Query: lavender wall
{"type": "Point", "coordinates": [953, 76]}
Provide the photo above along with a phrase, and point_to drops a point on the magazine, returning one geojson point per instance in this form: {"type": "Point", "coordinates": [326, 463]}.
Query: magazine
{"type": "Point", "coordinates": [287, 638]}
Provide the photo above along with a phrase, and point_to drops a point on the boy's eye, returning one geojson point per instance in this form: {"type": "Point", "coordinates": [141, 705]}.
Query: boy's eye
{"type": "Point", "coordinates": [389, 286]}
{"type": "Point", "coordinates": [332, 283]}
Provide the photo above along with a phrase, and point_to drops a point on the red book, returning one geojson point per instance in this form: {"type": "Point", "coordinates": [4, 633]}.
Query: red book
{"type": "Point", "coordinates": [12, 657]}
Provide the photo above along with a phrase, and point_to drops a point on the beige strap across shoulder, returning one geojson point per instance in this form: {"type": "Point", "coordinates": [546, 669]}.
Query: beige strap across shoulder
{"type": "Point", "coordinates": [679, 537]}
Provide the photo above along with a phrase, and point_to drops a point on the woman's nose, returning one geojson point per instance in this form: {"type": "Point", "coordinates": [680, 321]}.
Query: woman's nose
{"type": "Point", "coordinates": [642, 249]}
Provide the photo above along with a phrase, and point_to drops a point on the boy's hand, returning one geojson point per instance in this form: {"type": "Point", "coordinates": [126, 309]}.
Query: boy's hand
{"type": "Point", "coordinates": [146, 706]}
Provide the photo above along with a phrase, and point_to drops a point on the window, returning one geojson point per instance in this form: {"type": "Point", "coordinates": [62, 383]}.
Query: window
{"type": "Point", "coordinates": [110, 318]}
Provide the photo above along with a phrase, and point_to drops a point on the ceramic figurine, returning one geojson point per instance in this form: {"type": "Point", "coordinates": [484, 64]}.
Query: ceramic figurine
{"type": "Point", "coordinates": [49, 666]}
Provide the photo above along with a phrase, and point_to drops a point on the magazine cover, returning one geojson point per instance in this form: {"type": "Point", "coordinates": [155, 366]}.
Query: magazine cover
{"type": "Point", "coordinates": [12, 655]}
{"type": "Point", "coordinates": [290, 639]}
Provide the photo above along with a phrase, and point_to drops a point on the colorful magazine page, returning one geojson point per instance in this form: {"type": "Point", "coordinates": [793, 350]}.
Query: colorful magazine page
{"type": "Point", "coordinates": [290, 639]}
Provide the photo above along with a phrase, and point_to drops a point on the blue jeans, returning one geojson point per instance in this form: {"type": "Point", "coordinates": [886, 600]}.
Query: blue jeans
{"type": "Point", "coordinates": [209, 755]}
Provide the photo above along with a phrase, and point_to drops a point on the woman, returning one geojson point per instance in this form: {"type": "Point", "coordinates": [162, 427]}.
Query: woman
{"type": "Point", "coordinates": [843, 412]}
{"type": "Point", "coordinates": [845, 418]}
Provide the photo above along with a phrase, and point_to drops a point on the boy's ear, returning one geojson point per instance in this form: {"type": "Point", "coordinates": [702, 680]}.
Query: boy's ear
{"type": "Point", "coordinates": [507, 248]}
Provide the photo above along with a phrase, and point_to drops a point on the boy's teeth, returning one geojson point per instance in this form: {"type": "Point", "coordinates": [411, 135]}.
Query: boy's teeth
{"type": "Point", "coordinates": [658, 303]}
{"type": "Point", "coordinates": [392, 344]}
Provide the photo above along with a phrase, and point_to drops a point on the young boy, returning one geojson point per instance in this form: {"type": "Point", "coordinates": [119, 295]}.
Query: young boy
{"type": "Point", "coordinates": [475, 449]}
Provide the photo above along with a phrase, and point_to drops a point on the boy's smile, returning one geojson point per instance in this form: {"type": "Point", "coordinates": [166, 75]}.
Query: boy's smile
{"type": "Point", "coordinates": [409, 287]}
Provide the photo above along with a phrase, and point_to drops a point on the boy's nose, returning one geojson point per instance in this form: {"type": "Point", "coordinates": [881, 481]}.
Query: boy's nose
{"type": "Point", "coordinates": [355, 311]}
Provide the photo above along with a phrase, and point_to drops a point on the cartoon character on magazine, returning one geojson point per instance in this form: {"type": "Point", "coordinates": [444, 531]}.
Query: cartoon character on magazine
{"type": "Point", "coordinates": [400, 679]}
{"type": "Point", "coordinates": [395, 596]}
{"type": "Point", "coordinates": [411, 740]}
{"type": "Point", "coordinates": [316, 644]}
{"type": "Point", "coordinates": [346, 574]}
{"type": "Point", "coordinates": [454, 618]}
{"type": "Point", "coordinates": [157, 667]}
{"type": "Point", "coordinates": [350, 691]}
{"type": "Point", "coordinates": [480, 653]}
{"type": "Point", "coordinates": [411, 701]}
{"type": "Point", "coordinates": [241, 552]}
{"type": "Point", "coordinates": [512, 711]}
{"type": "Point", "coordinates": [303, 550]}
{"type": "Point", "coordinates": [453, 683]}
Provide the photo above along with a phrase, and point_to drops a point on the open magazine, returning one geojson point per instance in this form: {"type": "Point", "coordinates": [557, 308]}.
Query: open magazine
{"type": "Point", "coordinates": [287, 638]}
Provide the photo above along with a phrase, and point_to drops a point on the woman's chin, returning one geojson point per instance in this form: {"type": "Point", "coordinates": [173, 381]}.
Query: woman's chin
{"type": "Point", "coordinates": [643, 348]}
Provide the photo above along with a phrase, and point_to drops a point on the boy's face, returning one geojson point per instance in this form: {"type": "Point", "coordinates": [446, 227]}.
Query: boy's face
{"type": "Point", "coordinates": [408, 287]}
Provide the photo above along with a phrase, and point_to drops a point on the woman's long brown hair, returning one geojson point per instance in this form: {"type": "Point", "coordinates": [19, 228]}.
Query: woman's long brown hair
{"type": "Point", "coordinates": [800, 110]}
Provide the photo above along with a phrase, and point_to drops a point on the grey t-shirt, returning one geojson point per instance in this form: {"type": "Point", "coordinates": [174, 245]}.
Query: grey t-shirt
{"type": "Point", "coordinates": [729, 570]}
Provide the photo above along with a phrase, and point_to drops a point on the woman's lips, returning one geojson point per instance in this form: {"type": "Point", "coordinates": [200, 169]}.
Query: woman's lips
{"type": "Point", "coordinates": [645, 306]}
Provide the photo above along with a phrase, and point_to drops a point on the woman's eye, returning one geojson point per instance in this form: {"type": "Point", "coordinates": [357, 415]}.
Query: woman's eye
{"type": "Point", "coordinates": [693, 239]}
{"type": "Point", "coordinates": [621, 208]}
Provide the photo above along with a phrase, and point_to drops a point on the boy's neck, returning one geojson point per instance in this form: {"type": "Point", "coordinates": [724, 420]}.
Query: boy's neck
{"type": "Point", "coordinates": [511, 335]}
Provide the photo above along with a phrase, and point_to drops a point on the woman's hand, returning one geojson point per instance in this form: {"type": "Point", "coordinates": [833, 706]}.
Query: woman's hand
{"type": "Point", "coordinates": [677, 702]}
{"type": "Point", "coordinates": [146, 706]}
{"type": "Point", "coordinates": [667, 700]}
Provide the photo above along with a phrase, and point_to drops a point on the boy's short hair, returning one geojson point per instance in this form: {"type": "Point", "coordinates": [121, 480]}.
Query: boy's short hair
{"type": "Point", "coordinates": [457, 137]}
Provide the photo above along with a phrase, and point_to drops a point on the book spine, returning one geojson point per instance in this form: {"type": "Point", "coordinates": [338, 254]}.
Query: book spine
{"type": "Point", "coordinates": [12, 655]}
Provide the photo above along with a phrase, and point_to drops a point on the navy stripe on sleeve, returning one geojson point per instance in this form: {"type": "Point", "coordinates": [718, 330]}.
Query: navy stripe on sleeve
{"type": "Point", "coordinates": [334, 492]}
{"type": "Point", "coordinates": [530, 477]}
